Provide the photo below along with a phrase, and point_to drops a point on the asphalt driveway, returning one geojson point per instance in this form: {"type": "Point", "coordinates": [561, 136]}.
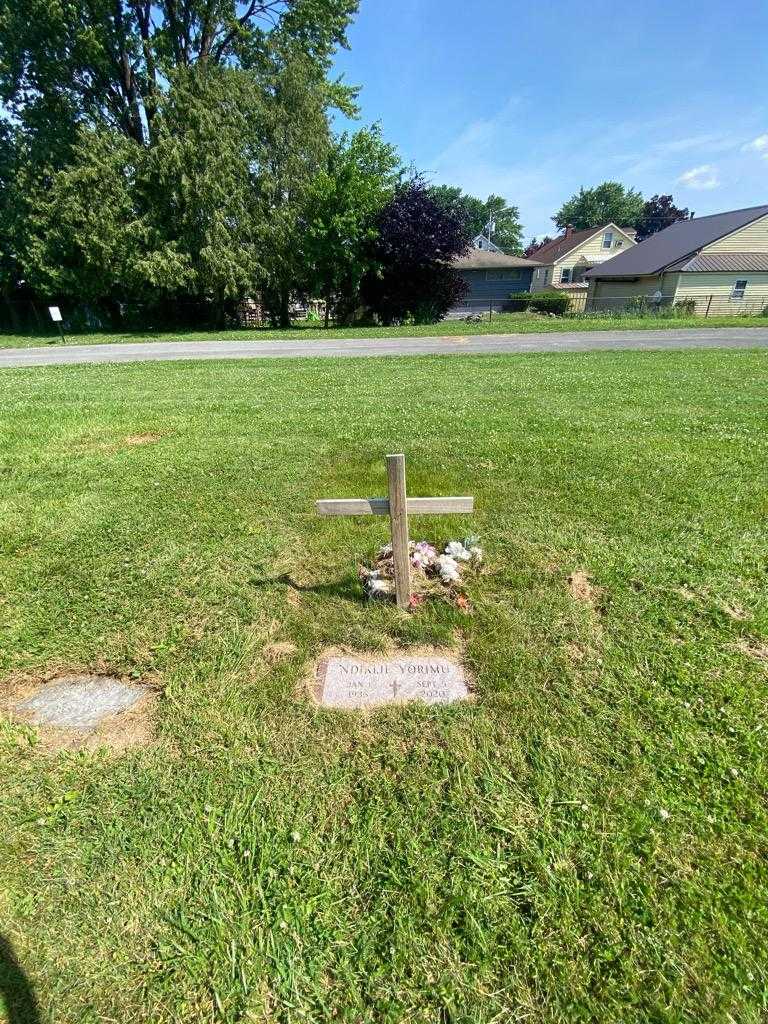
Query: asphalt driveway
{"type": "Point", "coordinates": [572, 341]}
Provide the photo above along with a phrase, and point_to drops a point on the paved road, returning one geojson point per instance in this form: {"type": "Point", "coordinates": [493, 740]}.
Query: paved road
{"type": "Point", "coordinates": [573, 341]}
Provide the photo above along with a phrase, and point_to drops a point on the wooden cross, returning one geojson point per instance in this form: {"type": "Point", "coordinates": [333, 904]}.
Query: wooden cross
{"type": "Point", "coordinates": [398, 507]}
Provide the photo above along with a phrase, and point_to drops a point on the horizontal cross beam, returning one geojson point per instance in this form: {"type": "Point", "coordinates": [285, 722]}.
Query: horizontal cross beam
{"type": "Point", "coordinates": [380, 506]}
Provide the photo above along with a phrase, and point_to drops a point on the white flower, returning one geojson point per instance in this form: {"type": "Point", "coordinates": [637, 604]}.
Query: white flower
{"type": "Point", "coordinates": [386, 551]}
{"type": "Point", "coordinates": [377, 588]}
{"type": "Point", "coordinates": [663, 813]}
{"type": "Point", "coordinates": [476, 554]}
{"type": "Point", "coordinates": [457, 550]}
{"type": "Point", "coordinates": [448, 568]}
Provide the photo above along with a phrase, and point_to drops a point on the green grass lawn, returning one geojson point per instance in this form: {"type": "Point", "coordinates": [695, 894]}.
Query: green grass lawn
{"type": "Point", "coordinates": [502, 323]}
{"type": "Point", "coordinates": [586, 842]}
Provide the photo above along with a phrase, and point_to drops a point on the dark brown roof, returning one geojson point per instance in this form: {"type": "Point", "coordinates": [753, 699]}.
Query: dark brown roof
{"type": "Point", "coordinates": [482, 259]}
{"type": "Point", "coordinates": [681, 240]}
{"type": "Point", "coordinates": [563, 244]}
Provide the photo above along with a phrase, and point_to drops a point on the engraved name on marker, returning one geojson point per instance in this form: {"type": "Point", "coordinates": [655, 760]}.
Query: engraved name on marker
{"type": "Point", "coordinates": [350, 683]}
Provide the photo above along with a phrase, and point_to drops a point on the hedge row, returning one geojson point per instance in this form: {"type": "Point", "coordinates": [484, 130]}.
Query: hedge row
{"type": "Point", "coordinates": [541, 302]}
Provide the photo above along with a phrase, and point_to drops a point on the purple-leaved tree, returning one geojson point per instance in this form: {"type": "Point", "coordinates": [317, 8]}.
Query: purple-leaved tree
{"type": "Point", "coordinates": [417, 242]}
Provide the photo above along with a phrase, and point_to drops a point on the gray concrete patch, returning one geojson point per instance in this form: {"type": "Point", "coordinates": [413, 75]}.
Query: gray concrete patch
{"type": "Point", "coordinates": [489, 344]}
{"type": "Point", "coordinates": [80, 702]}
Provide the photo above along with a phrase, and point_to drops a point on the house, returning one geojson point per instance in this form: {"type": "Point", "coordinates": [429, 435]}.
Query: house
{"type": "Point", "coordinates": [481, 242]}
{"type": "Point", "coordinates": [492, 277]}
{"type": "Point", "coordinates": [567, 258]}
{"type": "Point", "coordinates": [715, 264]}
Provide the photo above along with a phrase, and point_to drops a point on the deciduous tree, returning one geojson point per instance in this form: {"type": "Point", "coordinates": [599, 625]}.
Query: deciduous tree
{"type": "Point", "coordinates": [476, 214]}
{"type": "Point", "coordinates": [417, 240]}
{"type": "Point", "coordinates": [610, 202]}
{"type": "Point", "coordinates": [346, 197]}
{"type": "Point", "coordinates": [658, 213]}
{"type": "Point", "coordinates": [534, 245]}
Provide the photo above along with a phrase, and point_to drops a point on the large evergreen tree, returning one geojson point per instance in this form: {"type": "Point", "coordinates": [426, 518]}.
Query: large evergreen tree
{"type": "Point", "coordinates": [108, 62]}
{"type": "Point", "coordinates": [199, 125]}
{"type": "Point", "coordinates": [9, 207]}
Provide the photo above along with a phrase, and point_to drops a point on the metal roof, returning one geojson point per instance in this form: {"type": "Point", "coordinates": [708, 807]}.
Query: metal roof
{"type": "Point", "coordinates": [680, 240]}
{"type": "Point", "coordinates": [481, 259]}
{"type": "Point", "coordinates": [725, 262]}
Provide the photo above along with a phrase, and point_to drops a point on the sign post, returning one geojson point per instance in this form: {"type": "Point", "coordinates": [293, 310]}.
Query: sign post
{"type": "Point", "coordinates": [57, 319]}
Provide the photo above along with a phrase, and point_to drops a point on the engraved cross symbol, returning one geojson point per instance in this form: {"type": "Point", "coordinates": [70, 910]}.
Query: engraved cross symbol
{"type": "Point", "coordinates": [398, 507]}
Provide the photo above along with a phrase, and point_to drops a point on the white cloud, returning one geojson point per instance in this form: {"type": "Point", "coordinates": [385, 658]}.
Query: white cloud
{"type": "Point", "coordinates": [538, 172]}
{"type": "Point", "coordinates": [700, 178]}
{"type": "Point", "coordinates": [758, 145]}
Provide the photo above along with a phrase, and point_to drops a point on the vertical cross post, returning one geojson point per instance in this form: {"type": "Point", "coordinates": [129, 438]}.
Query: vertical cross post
{"type": "Point", "coordinates": [398, 520]}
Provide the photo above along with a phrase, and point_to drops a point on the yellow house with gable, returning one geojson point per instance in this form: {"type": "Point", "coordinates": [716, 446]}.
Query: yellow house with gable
{"type": "Point", "coordinates": [711, 265]}
{"type": "Point", "coordinates": [566, 259]}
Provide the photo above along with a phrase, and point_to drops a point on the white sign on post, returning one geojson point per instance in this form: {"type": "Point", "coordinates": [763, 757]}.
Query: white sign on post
{"type": "Point", "coordinates": [55, 314]}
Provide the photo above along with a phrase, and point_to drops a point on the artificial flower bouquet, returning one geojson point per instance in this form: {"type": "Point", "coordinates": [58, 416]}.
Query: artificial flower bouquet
{"type": "Point", "coordinates": [433, 572]}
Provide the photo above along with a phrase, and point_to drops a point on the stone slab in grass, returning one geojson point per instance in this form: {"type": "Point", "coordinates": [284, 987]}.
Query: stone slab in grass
{"type": "Point", "coordinates": [80, 702]}
{"type": "Point", "coordinates": [352, 683]}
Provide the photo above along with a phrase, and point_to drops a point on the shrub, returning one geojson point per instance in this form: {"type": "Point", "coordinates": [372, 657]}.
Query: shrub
{"type": "Point", "coordinates": [640, 305]}
{"type": "Point", "coordinates": [685, 307]}
{"type": "Point", "coordinates": [540, 302]}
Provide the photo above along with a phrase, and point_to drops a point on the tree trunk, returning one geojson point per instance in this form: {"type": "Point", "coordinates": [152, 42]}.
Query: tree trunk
{"type": "Point", "coordinates": [327, 310]}
{"type": "Point", "coordinates": [285, 307]}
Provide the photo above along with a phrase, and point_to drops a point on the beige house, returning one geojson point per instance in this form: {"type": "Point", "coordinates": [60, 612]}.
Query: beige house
{"type": "Point", "coordinates": [715, 265]}
{"type": "Point", "coordinates": [567, 258]}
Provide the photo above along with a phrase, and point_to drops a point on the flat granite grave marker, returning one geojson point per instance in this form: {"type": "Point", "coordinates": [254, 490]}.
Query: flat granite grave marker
{"type": "Point", "coordinates": [354, 683]}
{"type": "Point", "coordinates": [80, 702]}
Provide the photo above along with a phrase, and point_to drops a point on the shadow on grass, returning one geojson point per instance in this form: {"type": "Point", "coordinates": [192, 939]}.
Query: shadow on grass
{"type": "Point", "coordinates": [19, 998]}
{"type": "Point", "coordinates": [348, 589]}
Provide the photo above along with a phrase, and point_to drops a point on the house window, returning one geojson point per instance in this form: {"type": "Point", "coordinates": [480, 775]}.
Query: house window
{"type": "Point", "coordinates": [565, 275]}
{"type": "Point", "coordinates": [502, 275]}
{"type": "Point", "coordinates": [546, 276]}
{"type": "Point", "coordinates": [738, 290]}
{"type": "Point", "coordinates": [607, 239]}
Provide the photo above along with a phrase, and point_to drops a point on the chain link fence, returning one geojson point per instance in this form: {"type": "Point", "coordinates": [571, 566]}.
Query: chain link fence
{"type": "Point", "coordinates": [32, 318]}
{"type": "Point", "coordinates": [699, 305]}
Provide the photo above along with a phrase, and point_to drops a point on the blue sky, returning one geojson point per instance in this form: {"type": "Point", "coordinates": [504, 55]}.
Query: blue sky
{"type": "Point", "coordinates": [532, 100]}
